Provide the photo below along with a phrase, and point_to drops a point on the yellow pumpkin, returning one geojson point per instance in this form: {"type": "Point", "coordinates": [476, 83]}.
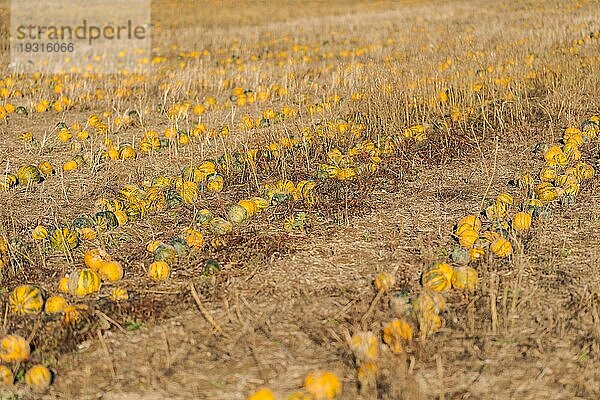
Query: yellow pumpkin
{"type": "Point", "coordinates": [250, 207]}
{"type": "Point", "coordinates": [464, 278]}
{"type": "Point", "coordinates": [6, 376]}
{"type": "Point", "coordinates": [521, 221]}
{"type": "Point", "coordinates": [64, 239]}
{"type": "Point", "coordinates": [63, 285]}
{"type": "Point", "coordinates": [501, 247]}
{"type": "Point", "coordinates": [471, 221]}
{"type": "Point", "coordinates": [55, 304]}
{"type": "Point", "coordinates": [546, 192]}
{"type": "Point", "coordinates": [323, 385]}
{"type": "Point", "coordinates": [215, 183]}
{"type": "Point", "coordinates": [468, 237]}
{"type": "Point", "coordinates": [395, 332]}
{"type": "Point", "coordinates": [110, 271]}
{"type": "Point", "coordinates": [14, 348]}
{"type": "Point", "coordinates": [26, 299]}
{"type": "Point", "coordinates": [46, 168]}
{"type": "Point", "coordinates": [70, 165]}
{"type": "Point", "coordinates": [38, 378]}
{"type": "Point", "coordinates": [476, 253]}
{"type": "Point", "coordinates": [504, 198]}
{"type": "Point", "coordinates": [159, 271]}
{"type": "Point", "coordinates": [194, 238]}
{"type": "Point", "coordinates": [262, 394]}
{"type": "Point", "coordinates": [429, 301]}
{"type": "Point", "coordinates": [548, 174]}
{"type": "Point", "coordinates": [384, 281]}
{"type": "Point", "coordinates": [83, 282]}
{"type": "Point", "coordinates": [583, 172]}
{"type": "Point", "coordinates": [189, 192]}
{"type": "Point", "coordinates": [429, 322]}
{"type": "Point", "coordinates": [525, 181]}
{"type": "Point", "coordinates": [207, 168]}
{"type": "Point", "coordinates": [552, 154]}
{"type": "Point", "coordinates": [261, 204]}
{"type": "Point", "coordinates": [40, 233]}
{"type": "Point", "coordinates": [435, 279]}
{"type": "Point", "coordinates": [87, 233]}
{"type": "Point", "coordinates": [153, 245]}
{"type": "Point", "coordinates": [496, 211]}
{"type": "Point", "coordinates": [94, 258]}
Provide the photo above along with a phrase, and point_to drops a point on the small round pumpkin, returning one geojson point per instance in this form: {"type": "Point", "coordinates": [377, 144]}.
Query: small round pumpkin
{"type": "Point", "coordinates": [189, 192]}
{"type": "Point", "coordinates": [8, 181]}
{"type": "Point", "coordinates": [214, 183]}
{"type": "Point", "coordinates": [55, 304]}
{"type": "Point", "coordinates": [40, 233]}
{"type": "Point", "coordinates": [159, 271]}
{"type": "Point", "coordinates": [435, 279]}
{"type": "Point", "coordinates": [110, 271]}
{"type": "Point", "coordinates": [323, 385]}
{"type": "Point", "coordinates": [220, 226]}
{"type": "Point", "coordinates": [548, 174]}
{"type": "Point", "coordinates": [194, 238]}
{"type": "Point", "coordinates": [261, 203]}
{"type": "Point", "coordinates": [180, 246]}
{"type": "Point", "coordinates": [106, 220]}
{"type": "Point", "coordinates": [63, 284]}
{"type": "Point", "coordinates": [504, 198]}
{"type": "Point", "coordinates": [26, 299]}
{"type": "Point", "coordinates": [94, 258]}
{"type": "Point", "coordinates": [203, 217]}
{"type": "Point", "coordinates": [501, 247]}
{"type": "Point", "coordinates": [472, 221]}
{"type": "Point", "coordinates": [546, 192]}
{"type": "Point", "coordinates": [14, 348]}
{"type": "Point", "coordinates": [29, 174]}
{"type": "Point", "coordinates": [460, 255]}
{"type": "Point", "coordinates": [464, 278]}
{"type": "Point", "coordinates": [467, 238]}
{"type": "Point", "coordinates": [395, 332]}
{"type": "Point", "coordinates": [262, 394]}
{"type": "Point", "coordinates": [237, 214]}
{"type": "Point", "coordinates": [83, 282]}
{"type": "Point", "coordinates": [64, 239]}
{"type": "Point", "coordinates": [38, 378]}
{"type": "Point", "coordinates": [153, 245]}
{"type": "Point", "coordinates": [429, 301]}
{"type": "Point", "coordinates": [6, 376]}
{"type": "Point", "coordinates": [521, 221]}
{"type": "Point", "coordinates": [166, 252]}
{"type": "Point", "coordinates": [250, 207]}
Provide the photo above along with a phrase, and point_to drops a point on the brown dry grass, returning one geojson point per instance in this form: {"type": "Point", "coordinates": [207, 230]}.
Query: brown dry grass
{"type": "Point", "coordinates": [284, 301]}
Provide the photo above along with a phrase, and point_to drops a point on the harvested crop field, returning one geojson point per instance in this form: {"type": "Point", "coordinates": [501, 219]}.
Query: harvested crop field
{"type": "Point", "coordinates": [310, 200]}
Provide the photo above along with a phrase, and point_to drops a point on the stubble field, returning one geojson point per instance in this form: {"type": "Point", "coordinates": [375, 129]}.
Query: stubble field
{"type": "Point", "coordinates": [314, 200]}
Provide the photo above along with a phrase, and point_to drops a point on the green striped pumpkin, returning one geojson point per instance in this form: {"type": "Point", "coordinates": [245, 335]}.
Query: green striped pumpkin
{"type": "Point", "coordinates": [83, 282]}
{"type": "Point", "coordinates": [63, 239]}
{"type": "Point", "coordinates": [26, 299]}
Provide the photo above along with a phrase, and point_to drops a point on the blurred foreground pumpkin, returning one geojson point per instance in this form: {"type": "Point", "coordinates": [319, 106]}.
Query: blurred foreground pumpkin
{"type": "Point", "coordinates": [38, 378]}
